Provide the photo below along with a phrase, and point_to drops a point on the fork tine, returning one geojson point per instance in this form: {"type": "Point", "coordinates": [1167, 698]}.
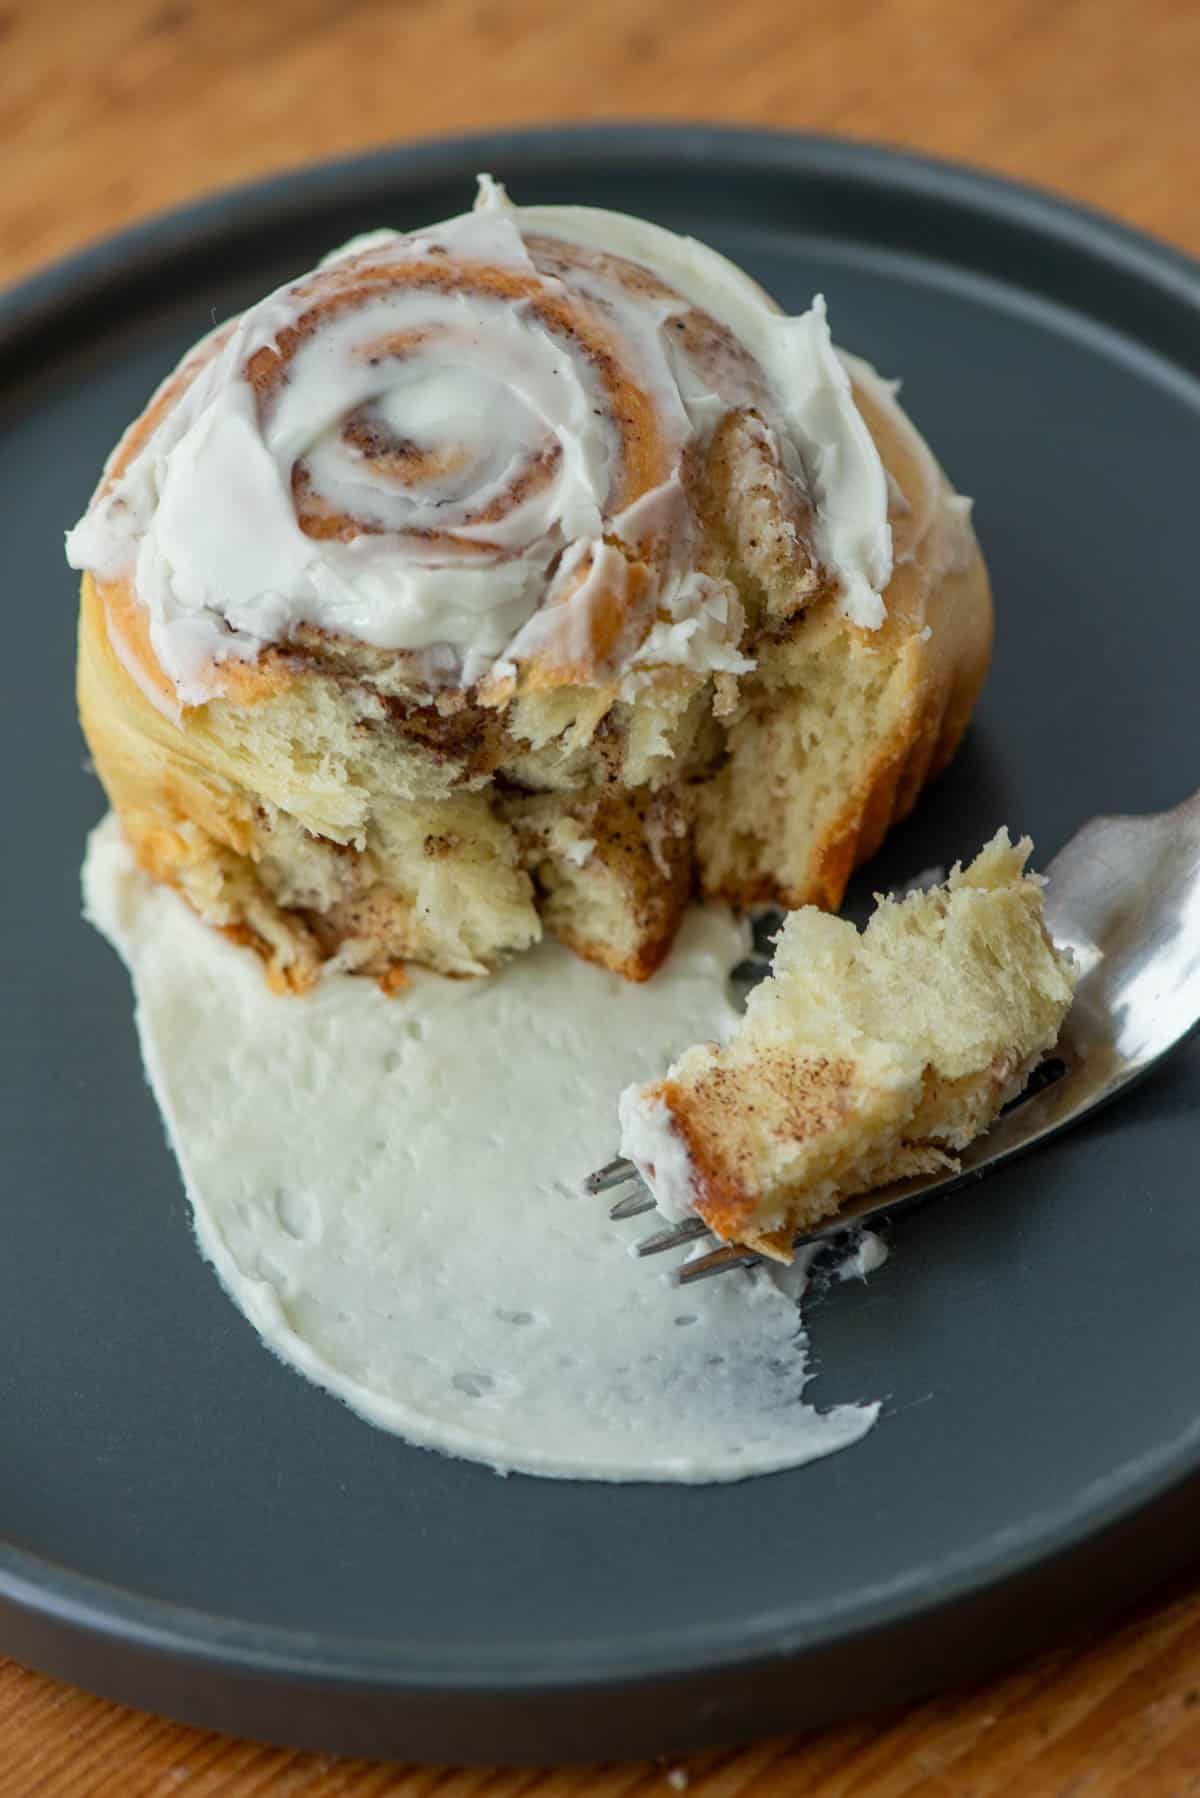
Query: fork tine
{"type": "Point", "coordinates": [632, 1205]}
{"type": "Point", "coordinates": [705, 1266]}
{"type": "Point", "coordinates": [613, 1173]}
{"type": "Point", "coordinates": [674, 1237]}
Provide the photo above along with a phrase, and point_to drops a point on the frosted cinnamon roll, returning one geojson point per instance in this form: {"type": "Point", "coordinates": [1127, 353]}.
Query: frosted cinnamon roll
{"type": "Point", "coordinates": [528, 572]}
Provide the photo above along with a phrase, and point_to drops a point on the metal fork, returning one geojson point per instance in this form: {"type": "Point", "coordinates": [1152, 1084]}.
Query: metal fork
{"type": "Point", "coordinates": [1124, 897]}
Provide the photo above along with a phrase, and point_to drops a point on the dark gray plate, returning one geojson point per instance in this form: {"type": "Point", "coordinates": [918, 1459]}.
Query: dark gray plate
{"type": "Point", "coordinates": [189, 1526]}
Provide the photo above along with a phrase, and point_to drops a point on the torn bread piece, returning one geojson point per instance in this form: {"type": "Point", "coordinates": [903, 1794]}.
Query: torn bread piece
{"type": "Point", "coordinates": [864, 1058]}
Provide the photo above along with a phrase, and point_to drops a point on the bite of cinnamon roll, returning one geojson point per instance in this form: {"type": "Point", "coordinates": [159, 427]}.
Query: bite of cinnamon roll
{"type": "Point", "coordinates": [531, 572]}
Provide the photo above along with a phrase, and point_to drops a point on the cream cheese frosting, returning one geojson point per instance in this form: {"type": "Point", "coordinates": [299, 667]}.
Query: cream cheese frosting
{"type": "Point", "coordinates": [389, 1190]}
{"type": "Point", "coordinates": [650, 1140]}
{"type": "Point", "coordinates": [474, 401]}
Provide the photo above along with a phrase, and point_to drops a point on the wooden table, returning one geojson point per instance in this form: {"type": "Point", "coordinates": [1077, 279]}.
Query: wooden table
{"type": "Point", "coordinates": [111, 110]}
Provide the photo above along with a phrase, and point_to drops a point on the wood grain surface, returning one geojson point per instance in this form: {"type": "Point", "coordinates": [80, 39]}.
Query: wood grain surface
{"type": "Point", "coordinates": [111, 110]}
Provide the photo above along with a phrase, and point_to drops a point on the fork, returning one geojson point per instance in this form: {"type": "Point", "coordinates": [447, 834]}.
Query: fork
{"type": "Point", "coordinates": [1123, 896]}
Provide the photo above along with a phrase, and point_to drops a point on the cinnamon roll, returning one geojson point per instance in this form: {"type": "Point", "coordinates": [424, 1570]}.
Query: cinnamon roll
{"type": "Point", "coordinates": [528, 572]}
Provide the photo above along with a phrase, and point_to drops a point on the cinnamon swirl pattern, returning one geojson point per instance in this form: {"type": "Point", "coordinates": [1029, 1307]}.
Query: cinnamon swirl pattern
{"type": "Point", "coordinates": [477, 445]}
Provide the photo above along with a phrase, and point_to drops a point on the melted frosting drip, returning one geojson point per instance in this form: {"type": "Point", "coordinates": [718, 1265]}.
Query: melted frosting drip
{"type": "Point", "coordinates": [389, 1190]}
{"type": "Point", "coordinates": [470, 443]}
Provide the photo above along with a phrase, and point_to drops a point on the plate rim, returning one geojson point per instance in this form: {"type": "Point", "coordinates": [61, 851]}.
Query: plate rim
{"type": "Point", "coordinates": [34, 1586]}
{"type": "Point", "coordinates": [82, 274]}
{"type": "Point", "coordinates": [40, 1586]}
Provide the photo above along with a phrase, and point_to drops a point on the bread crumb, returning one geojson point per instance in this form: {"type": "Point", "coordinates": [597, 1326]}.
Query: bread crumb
{"type": "Point", "coordinates": [677, 1779]}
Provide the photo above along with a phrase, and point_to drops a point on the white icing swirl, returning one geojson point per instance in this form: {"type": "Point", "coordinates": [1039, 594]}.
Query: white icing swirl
{"type": "Point", "coordinates": [478, 441]}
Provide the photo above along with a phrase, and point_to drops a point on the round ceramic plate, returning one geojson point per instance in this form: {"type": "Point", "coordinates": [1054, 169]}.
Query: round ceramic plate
{"type": "Point", "coordinates": [189, 1526]}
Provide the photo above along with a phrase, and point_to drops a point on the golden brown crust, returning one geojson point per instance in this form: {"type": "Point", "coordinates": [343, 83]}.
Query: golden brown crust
{"type": "Point", "coordinates": [143, 758]}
